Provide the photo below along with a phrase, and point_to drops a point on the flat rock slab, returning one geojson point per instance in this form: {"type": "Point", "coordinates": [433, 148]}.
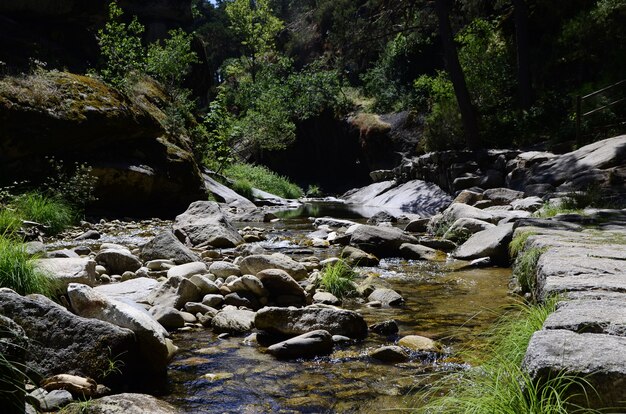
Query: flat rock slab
{"type": "Point", "coordinates": [381, 241]}
{"type": "Point", "coordinates": [137, 289]}
{"type": "Point", "coordinates": [599, 358]}
{"type": "Point", "coordinates": [594, 316]}
{"type": "Point", "coordinates": [123, 404]}
{"type": "Point", "coordinates": [69, 270]}
{"type": "Point", "coordinates": [493, 243]}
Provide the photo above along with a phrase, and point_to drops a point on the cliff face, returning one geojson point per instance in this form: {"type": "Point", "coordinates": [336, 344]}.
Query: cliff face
{"type": "Point", "coordinates": [141, 170]}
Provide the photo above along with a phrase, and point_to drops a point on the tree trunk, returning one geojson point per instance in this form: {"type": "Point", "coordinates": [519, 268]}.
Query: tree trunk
{"type": "Point", "coordinates": [523, 54]}
{"type": "Point", "coordinates": [468, 115]}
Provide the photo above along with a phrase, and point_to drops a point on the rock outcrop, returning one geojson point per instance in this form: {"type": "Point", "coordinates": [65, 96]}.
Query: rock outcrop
{"type": "Point", "coordinates": [203, 223]}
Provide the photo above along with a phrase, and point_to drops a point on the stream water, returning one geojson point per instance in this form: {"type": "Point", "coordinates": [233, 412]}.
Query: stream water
{"type": "Point", "coordinates": [213, 375]}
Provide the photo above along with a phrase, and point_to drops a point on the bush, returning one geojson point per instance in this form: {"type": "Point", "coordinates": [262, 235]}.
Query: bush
{"type": "Point", "coordinates": [74, 184]}
{"type": "Point", "coordinates": [169, 62]}
{"type": "Point", "coordinates": [18, 271]}
{"type": "Point", "coordinates": [264, 179]}
{"type": "Point", "coordinates": [337, 279]}
{"type": "Point", "coordinates": [499, 384]}
{"type": "Point", "coordinates": [54, 213]}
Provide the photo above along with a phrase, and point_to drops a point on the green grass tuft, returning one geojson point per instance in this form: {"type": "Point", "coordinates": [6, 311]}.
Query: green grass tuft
{"type": "Point", "coordinates": [18, 270]}
{"type": "Point", "coordinates": [499, 384]}
{"type": "Point", "coordinates": [53, 213]}
{"type": "Point", "coordinates": [525, 268]}
{"type": "Point", "coordinates": [264, 179]}
{"type": "Point", "coordinates": [337, 279]}
{"type": "Point", "coordinates": [10, 221]}
{"type": "Point", "coordinates": [243, 187]}
{"type": "Point", "coordinates": [518, 242]}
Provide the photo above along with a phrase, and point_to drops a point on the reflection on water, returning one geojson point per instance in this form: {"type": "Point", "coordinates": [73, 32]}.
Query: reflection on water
{"type": "Point", "coordinates": [212, 375]}
{"type": "Point", "coordinates": [318, 208]}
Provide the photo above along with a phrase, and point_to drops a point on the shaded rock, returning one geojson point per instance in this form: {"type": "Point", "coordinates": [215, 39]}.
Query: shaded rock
{"type": "Point", "coordinates": [13, 345]}
{"type": "Point", "coordinates": [256, 263]}
{"type": "Point", "coordinates": [168, 317]}
{"type": "Point", "coordinates": [326, 298]}
{"type": "Point", "coordinates": [49, 401]}
{"type": "Point", "coordinates": [418, 252]}
{"type": "Point", "coordinates": [66, 271]}
{"type": "Point", "coordinates": [117, 261]}
{"type": "Point", "coordinates": [456, 211]}
{"type": "Point", "coordinates": [462, 228]}
{"type": "Point", "coordinates": [528, 204]}
{"type": "Point", "coordinates": [234, 321]}
{"type": "Point", "coordinates": [296, 321]}
{"type": "Point", "coordinates": [214, 301]}
{"type": "Point", "coordinates": [279, 283]}
{"type": "Point", "coordinates": [599, 358]}
{"type": "Point", "coordinates": [419, 343]}
{"type": "Point", "coordinates": [389, 327]}
{"type": "Point", "coordinates": [89, 235]}
{"type": "Point", "coordinates": [240, 300]}
{"type": "Point", "coordinates": [493, 243]}
{"type": "Point", "coordinates": [150, 335]}
{"type": "Point", "coordinates": [387, 297]}
{"type": "Point", "coordinates": [61, 342]}
{"type": "Point", "coordinates": [390, 353]}
{"type": "Point", "coordinates": [204, 224]}
{"type": "Point", "coordinates": [333, 222]}
{"type": "Point", "coordinates": [381, 217]}
{"type": "Point", "coordinates": [63, 253]}
{"type": "Point", "coordinates": [357, 257]}
{"type": "Point", "coordinates": [417, 225]}
{"type": "Point", "coordinates": [502, 196]}
{"type": "Point", "coordinates": [175, 292]}
{"type": "Point", "coordinates": [137, 289]}
{"type": "Point", "coordinates": [468, 197]}
{"type": "Point", "coordinates": [547, 224]}
{"type": "Point", "coordinates": [197, 308]}
{"type": "Point", "coordinates": [254, 285]}
{"type": "Point", "coordinates": [204, 284]}
{"type": "Point", "coordinates": [308, 345]}
{"type": "Point", "coordinates": [124, 404]}
{"type": "Point", "coordinates": [381, 241]}
{"type": "Point", "coordinates": [187, 270]}
{"type": "Point", "coordinates": [438, 244]}
{"type": "Point", "coordinates": [224, 269]}
{"type": "Point", "coordinates": [166, 246]}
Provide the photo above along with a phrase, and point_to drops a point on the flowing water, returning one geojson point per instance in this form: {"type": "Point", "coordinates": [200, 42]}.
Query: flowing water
{"type": "Point", "coordinates": [213, 375]}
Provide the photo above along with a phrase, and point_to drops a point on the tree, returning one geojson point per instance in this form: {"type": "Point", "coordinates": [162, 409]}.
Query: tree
{"type": "Point", "coordinates": [257, 26]}
{"type": "Point", "coordinates": [523, 53]}
{"type": "Point", "coordinates": [468, 115]}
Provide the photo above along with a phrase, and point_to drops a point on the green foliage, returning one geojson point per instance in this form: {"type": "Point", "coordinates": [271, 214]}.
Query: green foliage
{"type": "Point", "coordinates": [337, 279]}
{"type": "Point", "coordinates": [18, 270]}
{"type": "Point", "coordinates": [75, 184]}
{"type": "Point", "coordinates": [525, 268]}
{"type": "Point", "coordinates": [313, 190]}
{"type": "Point", "coordinates": [10, 221]}
{"type": "Point", "coordinates": [263, 179]}
{"type": "Point", "coordinates": [243, 187]}
{"type": "Point", "coordinates": [519, 241]}
{"type": "Point", "coordinates": [499, 384]}
{"type": "Point", "coordinates": [170, 61]}
{"type": "Point", "coordinates": [54, 213]}
{"type": "Point", "coordinates": [121, 48]}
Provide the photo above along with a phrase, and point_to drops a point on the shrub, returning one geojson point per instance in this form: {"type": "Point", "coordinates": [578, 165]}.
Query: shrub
{"type": "Point", "coordinates": [264, 179]}
{"type": "Point", "coordinates": [337, 279]}
{"type": "Point", "coordinates": [313, 190]}
{"type": "Point", "coordinates": [169, 61]}
{"type": "Point", "coordinates": [499, 384]}
{"type": "Point", "coordinates": [18, 270]}
{"type": "Point", "coordinates": [53, 212]}
{"type": "Point", "coordinates": [75, 184]}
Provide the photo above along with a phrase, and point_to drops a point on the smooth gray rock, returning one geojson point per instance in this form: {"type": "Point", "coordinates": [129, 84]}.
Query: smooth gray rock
{"type": "Point", "coordinates": [175, 292]}
{"type": "Point", "coordinates": [326, 298]}
{"type": "Point", "coordinates": [308, 345]}
{"type": "Point", "coordinates": [390, 353]}
{"type": "Point", "coordinates": [124, 404]}
{"type": "Point", "coordinates": [66, 253]}
{"type": "Point", "coordinates": [35, 248]}
{"type": "Point", "coordinates": [589, 316]}
{"type": "Point", "coordinates": [418, 252]}
{"type": "Point", "coordinates": [255, 263]}
{"type": "Point", "coordinates": [381, 217]}
{"type": "Point", "coordinates": [465, 227]}
{"type": "Point", "coordinates": [88, 235]}
{"type": "Point", "coordinates": [61, 342]}
{"type": "Point", "coordinates": [357, 257]}
{"type": "Point", "coordinates": [387, 297]}
{"type": "Point", "coordinates": [204, 284]}
{"type": "Point", "coordinates": [50, 401]}
{"type": "Point", "coordinates": [458, 210]}
{"type": "Point", "coordinates": [279, 283]}
{"type": "Point", "coordinates": [225, 194]}
{"type": "Point", "coordinates": [137, 289]}
{"type": "Point", "coordinates": [381, 241]}
{"type": "Point", "coordinates": [166, 246]}
{"type": "Point", "coordinates": [389, 327]}
{"type": "Point", "coordinates": [71, 270]}
{"type": "Point", "coordinates": [417, 225]}
{"type": "Point", "coordinates": [150, 335]}
{"type": "Point", "coordinates": [224, 269]}
{"type": "Point", "coordinates": [502, 196]}
{"type": "Point", "coordinates": [547, 224]}
{"type": "Point", "coordinates": [213, 300]}
{"type": "Point", "coordinates": [419, 343]}
{"type": "Point", "coordinates": [234, 321]}
{"type": "Point", "coordinates": [493, 243]}
{"type": "Point", "coordinates": [187, 270]}
{"type": "Point", "coordinates": [168, 317]}
{"type": "Point", "coordinates": [203, 223]}
{"type": "Point", "coordinates": [296, 321]}
{"type": "Point", "coordinates": [438, 244]}
{"type": "Point", "coordinates": [599, 358]}
{"type": "Point", "coordinates": [528, 204]}
{"type": "Point", "coordinates": [118, 261]}
{"type": "Point", "coordinates": [333, 222]}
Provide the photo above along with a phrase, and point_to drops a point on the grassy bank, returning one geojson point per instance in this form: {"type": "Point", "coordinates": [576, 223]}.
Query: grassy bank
{"type": "Point", "coordinates": [18, 270]}
{"type": "Point", "coordinates": [247, 176]}
{"type": "Point", "coordinates": [497, 383]}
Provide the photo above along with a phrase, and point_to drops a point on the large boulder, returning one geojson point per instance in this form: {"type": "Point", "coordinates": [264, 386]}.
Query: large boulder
{"type": "Point", "coordinates": [297, 321]}
{"type": "Point", "coordinates": [166, 246]}
{"type": "Point", "coordinates": [136, 290]}
{"type": "Point", "coordinates": [61, 342]}
{"type": "Point", "coordinates": [282, 287]}
{"type": "Point", "coordinates": [118, 260]}
{"type": "Point", "coordinates": [203, 223]}
{"type": "Point", "coordinates": [459, 210]}
{"type": "Point", "coordinates": [307, 345]}
{"type": "Point", "coordinates": [387, 297]}
{"type": "Point", "coordinates": [465, 227]}
{"type": "Point", "coordinates": [150, 334]}
{"type": "Point", "coordinates": [233, 320]}
{"type": "Point", "coordinates": [129, 149]}
{"type": "Point", "coordinates": [357, 257]}
{"type": "Point", "coordinates": [69, 270]}
{"type": "Point", "coordinates": [257, 262]}
{"type": "Point", "coordinates": [123, 404]}
{"type": "Point", "coordinates": [493, 243]}
{"type": "Point", "coordinates": [175, 292]}
{"type": "Point", "coordinates": [381, 241]}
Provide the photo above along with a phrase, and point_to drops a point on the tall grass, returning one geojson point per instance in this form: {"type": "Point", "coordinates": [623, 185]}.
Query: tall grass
{"type": "Point", "coordinates": [54, 213]}
{"type": "Point", "coordinates": [264, 179]}
{"type": "Point", "coordinates": [499, 384]}
{"type": "Point", "coordinates": [337, 279]}
{"type": "Point", "coordinates": [519, 241]}
{"type": "Point", "coordinates": [525, 268]}
{"type": "Point", "coordinates": [10, 221]}
{"type": "Point", "coordinates": [18, 270]}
